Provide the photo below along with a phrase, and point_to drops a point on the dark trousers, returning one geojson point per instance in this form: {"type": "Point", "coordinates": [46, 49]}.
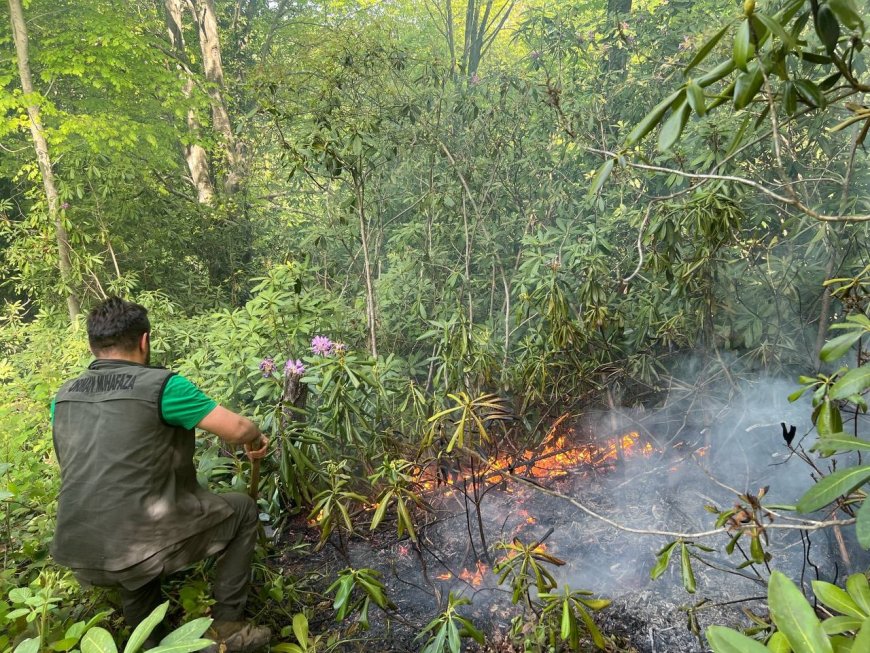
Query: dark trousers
{"type": "Point", "coordinates": [232, 541]}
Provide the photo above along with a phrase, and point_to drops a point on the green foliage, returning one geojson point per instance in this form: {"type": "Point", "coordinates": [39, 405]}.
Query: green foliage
{"type": "Point", "coordinates": [523, 565]}
{"type": "Point", "coordinates": [570, 610]}
{"type": "Point", "coordinates": [355, 591]}
{"type": "Point", "coordinates": [446, 631]}
{"type": "Point", "coordinates": [332, 506]}
{"type": "Point", "coordinates": [469, 428]}
{"type": "Point", "coordinates": [687, 551]}
{"type": "Point", "coordinates": [397, 486]}
{"type": "Point", "coordinates": [771, 46]}
{"type": "Point", "coordinates": [799, 629]}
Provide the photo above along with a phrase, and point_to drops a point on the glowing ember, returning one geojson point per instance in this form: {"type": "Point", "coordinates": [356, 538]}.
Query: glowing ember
{"type": "Point", "coordinates": [474, 578]}
{"type": "Point", "coordinates": [445, 576]}
{"type": "Point", "coordinates": [404, 549]}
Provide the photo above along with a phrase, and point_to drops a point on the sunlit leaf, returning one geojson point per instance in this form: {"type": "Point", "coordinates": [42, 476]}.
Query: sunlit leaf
{"type": "Point", "coordinates": [673, 126]}
{"type": "Point", "coordinates": [705, 49]}
{"type": "Point", "coordinates": [794, 616]}
{"type": "Point", "coordinates": [833, 486]}
{"type": "Point", "coordinates": [725, 640]}
{"type": "Point", "coordinates": [854, 382]}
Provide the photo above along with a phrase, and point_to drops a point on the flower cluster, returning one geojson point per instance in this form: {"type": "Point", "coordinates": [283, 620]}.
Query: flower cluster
{"type": "Point", "coordinates": [267, 366]}
{"type": "Point", "coordinates": [294, 367]}
{"type": "Point", "coordinates": [339, 348]}
{"type": "Point", "coordinates": [322, 346]}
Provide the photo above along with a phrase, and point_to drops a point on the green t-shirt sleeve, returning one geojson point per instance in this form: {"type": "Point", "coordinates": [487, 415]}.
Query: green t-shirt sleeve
{"type": "Point", "coordinates": [183, 404]}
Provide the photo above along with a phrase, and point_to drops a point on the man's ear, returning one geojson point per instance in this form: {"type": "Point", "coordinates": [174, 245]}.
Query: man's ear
{"type": "Point", "coordinates": [144, 341]}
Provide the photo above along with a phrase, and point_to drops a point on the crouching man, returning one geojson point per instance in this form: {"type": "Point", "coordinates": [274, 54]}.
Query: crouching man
{"type": "Point", "coordinates": [130, 509]}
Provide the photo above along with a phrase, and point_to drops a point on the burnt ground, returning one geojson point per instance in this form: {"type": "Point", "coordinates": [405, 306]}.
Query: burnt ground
{"type": "Point", "coordinates": [666, 490]}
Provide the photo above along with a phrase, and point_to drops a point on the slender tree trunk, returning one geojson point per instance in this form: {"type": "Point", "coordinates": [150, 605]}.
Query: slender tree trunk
{"type": "Point", "coordinates": [19, 35]}
{"type": "Point", "coordinates": [371, 314]}
{"type": "Point", "coordinates": [825, 312]}
{"type": "Point", "coordinates": [617, 12]}
{"type": "Point", "coordinates": [210, 46]}
{"type": "Point", "coordinates": [194, 154]}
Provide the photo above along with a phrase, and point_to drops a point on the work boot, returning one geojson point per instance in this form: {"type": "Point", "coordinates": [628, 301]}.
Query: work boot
{"type": "Point", "coordinates": [237, 637]}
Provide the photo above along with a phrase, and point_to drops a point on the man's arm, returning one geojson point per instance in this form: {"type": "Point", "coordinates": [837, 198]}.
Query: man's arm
{"type": "Point", "coordinates": [235, 429]}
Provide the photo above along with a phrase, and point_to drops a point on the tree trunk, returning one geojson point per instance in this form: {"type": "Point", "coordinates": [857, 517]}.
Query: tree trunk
{"type": "Point", "coordinates": [617, 57]}
{"type": "Point", "coordinates": [194, 154]}
{"type": "Point", "coordinates": [371, 315]}
{"type": "Point", "coordinates": [210, 46]}
{"type": "Point", "coordinates": [19, 35]}
{"type": "Point", "coordinates": [483, 22]}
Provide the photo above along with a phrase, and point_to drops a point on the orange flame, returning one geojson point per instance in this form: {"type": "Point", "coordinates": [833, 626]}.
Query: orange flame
{"type": "Point", "coordinates": [558, 456]}
{"type": "Point", "coordinates": [474, 578]}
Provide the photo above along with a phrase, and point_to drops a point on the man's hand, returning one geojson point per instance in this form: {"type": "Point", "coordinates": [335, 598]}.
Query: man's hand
{"type": "Point", "coordinates": [263, 448]}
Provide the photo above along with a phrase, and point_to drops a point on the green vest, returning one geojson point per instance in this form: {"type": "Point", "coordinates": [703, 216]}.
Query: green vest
{"type": "Point", "coordinates": [128, 485]}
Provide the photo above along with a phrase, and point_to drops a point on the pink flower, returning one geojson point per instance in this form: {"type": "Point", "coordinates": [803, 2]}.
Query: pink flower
{"type": "Point", "coordinates": [294, 367]}
{"type": "Point", "coordinates": [321, 346]}
{"type": "Point", "coordinates": [267, 366]}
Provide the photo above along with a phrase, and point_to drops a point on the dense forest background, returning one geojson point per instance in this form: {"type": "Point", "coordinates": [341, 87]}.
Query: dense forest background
{"type": "Point", "coordinates": [512, 208]}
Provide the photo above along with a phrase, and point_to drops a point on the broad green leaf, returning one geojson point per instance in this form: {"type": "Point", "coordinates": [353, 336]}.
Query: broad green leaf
{"type": "Point", "coordinates": [847, 12]}
{"type": "Point", "coordinates": [794, 616]}
{"type": "Point", "coordinates": [300, 629]}
{"type": "Point", "coordinates": [854, 382]}
{"type": "Point", "coordinates": [187, 632]}
{"type": "Point", "coordinates": [673, 126]}
{"type": "Point", "coordinates": [862, 525]}
{"type": "Point", "coordinates": [789, 98]}
{"type": "Point", "coordinates": [284, 647]}
{"type": "Point", "coordinates": [565, 629]}
{"type": "Point", "coordinates": [592, 627]}
{"type": "Point", "coordinates": [725, 640]}
{"type": "Point", "coordinates": [664, 559]}
{"type": "Point", "coordinates": [827, 27]}
{"type": "Point", "coordinates": [695, 96]}
{"type": "Point", "coordinates": [837, 347]}
{"type": "Point", "coordinates": [755, 549]}
{"type": "Point", "coordinates": [30, 645]}
{"type": "Point", "coordinates": [601, 176]}
{"type": "Point", "coordinates": [837, 625]}
{"type": "Point", "coordinates": [141, 632]}
{"type": "Point", "coordinates": [722, 70]}
{"type": "Point", "coordinates": [797, 394]}
{"type": "Point", "coordinates": [98, 640]}
{"type": "Point", "coordinates": [382, 509]}
{"type": "Point", "coordinates": [746, 86]}
{"type": "Point", "coordinates": [862, 639]}
{"type": "Point", "coordinates": [841, 643]}
{"type": "Point", "coordinates": [836, 598]}
{"type": "Point", "coordinates": [701, 54]}
{"type": "Point", "coordinates": [810, 92]}
{"type": "Point", "coordinates": [773, 26]}
{"type": "Point", "coordinates": [686, 569]}
{"type": "Point", "coordinates": [778, 643]}
{"type": "Point", "coordinates": [743, 49]}
{"type": "Point", "coordinates": [840, 442]}
{"type": "Point", "coordinates": [833, 486]}
{"type": "Point", "coordinates": [453, 641]}
{"type": "Point", "coordinates": [183, 647]}
{"type": "Point", "coordinates": [828, 419]}
{"type": "Point", "coordinates": [859, 590]}
{"type": "Point", "coordinates": [648, 123]}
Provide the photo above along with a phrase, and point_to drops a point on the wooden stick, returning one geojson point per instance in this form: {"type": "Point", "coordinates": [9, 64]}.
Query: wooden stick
{"type": "Point", "coordinates": [254, 488]}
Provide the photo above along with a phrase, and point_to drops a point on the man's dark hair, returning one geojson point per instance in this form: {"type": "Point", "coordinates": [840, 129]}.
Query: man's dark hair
{"type": "Point", "coordinates": [116, 323]}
